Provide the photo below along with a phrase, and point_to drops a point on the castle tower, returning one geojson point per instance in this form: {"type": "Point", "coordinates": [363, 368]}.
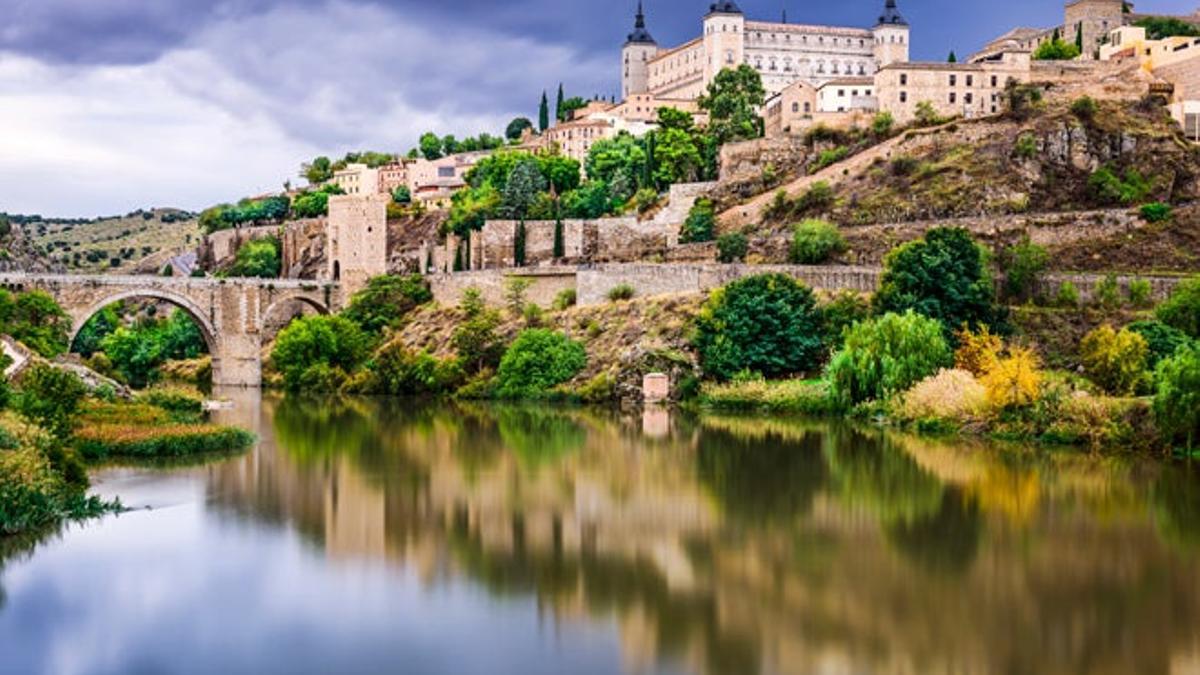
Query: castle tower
{"type": "Point", "coordinates": [639, 48]}
{"type": "Point", "coordinates": [891, 36]}
{"type": "Point", "coordinates": [724, 38]}
{"type": "Point", "coordinates": [1095, 19]}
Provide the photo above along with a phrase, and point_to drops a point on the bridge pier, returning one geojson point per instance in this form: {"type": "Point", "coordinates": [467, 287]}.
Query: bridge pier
{"type": "Point", "coordinates": [237, 362]}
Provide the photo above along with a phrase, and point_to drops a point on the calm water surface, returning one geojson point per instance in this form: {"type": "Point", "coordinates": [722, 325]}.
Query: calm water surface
{"type": "Point", "coordinates": [387, 537]}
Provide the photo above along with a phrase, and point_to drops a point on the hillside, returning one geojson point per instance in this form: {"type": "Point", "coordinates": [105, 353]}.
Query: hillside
{"type": "Point", "coordinates": [1069, 177]}
{"type": "Point", "coordinates": [92, 246]}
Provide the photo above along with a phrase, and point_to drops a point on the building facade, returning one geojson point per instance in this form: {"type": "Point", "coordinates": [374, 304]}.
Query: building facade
{"type": "Point", "coordinates": [782, 53]}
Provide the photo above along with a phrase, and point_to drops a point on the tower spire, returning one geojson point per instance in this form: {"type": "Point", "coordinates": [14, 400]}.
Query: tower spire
{"type": "Point", "coordinates": [891, 15]}
{"type": "Point", "coordinates": [640, 35]}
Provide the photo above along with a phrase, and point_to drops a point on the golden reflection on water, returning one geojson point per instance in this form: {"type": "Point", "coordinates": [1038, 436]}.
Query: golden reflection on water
{"type": "Point", "coordinates": [744, 545]}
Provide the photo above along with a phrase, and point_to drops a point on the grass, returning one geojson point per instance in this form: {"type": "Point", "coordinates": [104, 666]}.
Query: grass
{"type": "Point", "coordinates": [810, 397]}
{"type": "Point", "coordinates": [143, 430]}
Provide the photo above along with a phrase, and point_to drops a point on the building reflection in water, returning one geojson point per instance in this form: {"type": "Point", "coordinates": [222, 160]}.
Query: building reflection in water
{"type": "Point", "coordinates": [740, 545]}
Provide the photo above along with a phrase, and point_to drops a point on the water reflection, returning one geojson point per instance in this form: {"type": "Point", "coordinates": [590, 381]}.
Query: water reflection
{"type": "Point", "coordinates": [733, 545]}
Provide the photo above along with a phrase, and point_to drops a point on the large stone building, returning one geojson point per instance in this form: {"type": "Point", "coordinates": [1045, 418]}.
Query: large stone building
{"type": "Point", "coordinates": [783, 53]}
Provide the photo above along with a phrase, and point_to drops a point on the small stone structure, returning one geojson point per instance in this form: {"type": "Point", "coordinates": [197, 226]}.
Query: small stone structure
{"type": "Point", "coordinates": [232, 314]}
{"type": "Point", "coordinates": [656, 388]}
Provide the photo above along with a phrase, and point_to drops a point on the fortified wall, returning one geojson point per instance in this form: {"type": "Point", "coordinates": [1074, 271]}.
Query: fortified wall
{"type": "Point", "coordinates": [218, 250]}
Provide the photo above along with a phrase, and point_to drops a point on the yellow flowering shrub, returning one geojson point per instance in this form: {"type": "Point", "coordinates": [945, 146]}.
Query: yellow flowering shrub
{"type": "Point", "coordinates": [1015, 380]}
{"type": "Point", "coordinates": [977, 353]}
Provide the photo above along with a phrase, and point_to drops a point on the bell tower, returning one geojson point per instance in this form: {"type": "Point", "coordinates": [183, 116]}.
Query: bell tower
{"type": "Point", "coordinates": [891, 36]}
{"type": "Point", "coordinates": [724, 38]}
{"type": "Point", "coordinates": [639, 48]}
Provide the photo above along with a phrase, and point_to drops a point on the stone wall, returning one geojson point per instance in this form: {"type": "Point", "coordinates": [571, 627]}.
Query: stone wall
{"type": "Point", "coordinates": [1049, 285]}
{"type": "Point", "coordinates": [358, 238]}
{"type": "Point", "coordinates": [594, 284]}
{"type": "Point", "coordinates": [545, 285]}
{"type": "Point", "coordinates": [748, 158]}
{"type": "Point", "coordinates": [304, 249]}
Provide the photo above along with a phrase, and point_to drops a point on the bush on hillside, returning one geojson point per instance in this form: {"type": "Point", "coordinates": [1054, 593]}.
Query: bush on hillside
{"type": "Point", "coordinates": [258, 259]}
{"type": "Point", "coordinates": [34, 319]}
{"type": "Point", "coordinates": [396, 371]}
{"type": "Point", "coordinates": [731, 248]}
{"type": "Point", "coordinates": [1084, 108]}
{"type": "Point", "coordinates": [700, 224]}
{"type": "Point", "coordinates": [536, 362]}
{"type": "Point", "coordinates": [886, 356]}
{"type": "Point", "coordinates": [950, 394]}
{"type": "Point", "coordinates": [1116, 361]}
{"type": "Point", "coordinates": [944, 277]}
{"type": "Point", "coordinates": [50, 398]}
{"type": "Point", "coordinates": [1107, 188]}
{"type": "Point", "coordinates": [1156, 212]}
{"type": "Point", "coordinates": [386, 301]}
{"type": "Point", "coordinates": [767, 324]}
{"type": "Point", "coordinates": [1177, 401]}
{"type": "Point", "coordinates": [1182, 309]}
{"type": "Point", "coordinates": [978, 352]}
{"type": "Point", "coordinates": [476, 342]}
{"type": "Point", "coordinates": [815, 242]}
{"type": "Point", "coordinates": [316, 353]}
{"type": "Point", "coordinates": [1024, 264]}
{"type": "Point", "coordinates": [1162, 341]}
{"type": "Point", "coordinates": [839, 313]}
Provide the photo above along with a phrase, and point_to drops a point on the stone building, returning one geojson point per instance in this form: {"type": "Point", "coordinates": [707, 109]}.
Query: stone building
{"type": "Point", "coordinates": [357, 244]}
{"type": "Point", "coordinates": [1175, 60]}
{"type": "Point", "coordinates": [357, 179]}
{"type": "Point", "coordinates": [952, 89]}
{"type": "Point", "coordinates": [782, 53]}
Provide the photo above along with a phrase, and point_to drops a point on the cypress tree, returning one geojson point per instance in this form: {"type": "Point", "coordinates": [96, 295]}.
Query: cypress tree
{"type": "Point", "coordinates": [458, 265]}
{"type": "Point", "coordinates": [519, 245]}
{"type": "Point", "coordinates": [1079, 37]}
{"type": "Point", "coordinates": [1057, 36]}
{"type": "Point", "coordinates": [544, 114]}
{"type": "Point", "coordinates": [559, 109]}
{"type": "Point", "coordinates": [429, 262]}
{"type": "Point", "coordinates": [953, 57]}
{"type": "Point", "coordinates": [559, 247]}
{"type": "Point", "coordinates": [648, 170]}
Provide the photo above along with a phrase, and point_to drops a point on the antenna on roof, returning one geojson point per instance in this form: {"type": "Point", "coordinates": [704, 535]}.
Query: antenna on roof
{"type": "Point", "coordinates": [784, 20]}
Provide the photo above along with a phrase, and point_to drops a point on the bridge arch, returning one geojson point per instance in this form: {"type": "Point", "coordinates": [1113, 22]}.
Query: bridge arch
{"type": "Point", "coordinates": [207, 330]}
{"type": "Point", "coordinates": [264, 321]}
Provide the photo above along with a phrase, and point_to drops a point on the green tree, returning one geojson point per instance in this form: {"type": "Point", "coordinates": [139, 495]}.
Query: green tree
{"type": "Point", "coordinates": [814, 242]}
{"type": "Point", "coordinates": [258, 259]}
{"type": "Point", "coordinates": [1159, 27]}
{"type": "Point", "coordinates": [560, 171]}
{"type": "Point", "coordinates": [103, 323]}
{"type": "Point", "coordinates": [732, 102]}
{"type": "Point", "coordinates": [536, 362]}
{"type": "Point", "coordinates": [470, 209]}
{"type": "Point", "coordinates": [1162, 340]}
{"type": "Point", "coordinates": [1056, 50]}
{"type": "Point", "coordinates": [524, 184]}
{"type": "Point", "coordinates": [517, 127]}
{"type": "Point", "coordinates": [318, 352]}
{"type": "Point", "coordinates": [38, 322]}
{"type": "Point", "coordinates": [544, 114]}
{"type": "Point", "coordinates": [386, 301]}
{"type": "Point", "coordinates": [701, 222]}
{"type": "Point", "coordinates": [944, 277]}
{"type": "Point", "coordinates": [431, 146]}
{"type": "Point", "coordinates": [886, 356]}
{"type": "Point", "coordinates": [1079, 37]}
{"type": "Point", "coordinates": [558, 105]}
{"type": "Point", "coordinates": [677, 156]}
{"type": "Point", "coordinates": [767, 324]}
{"type": "Point", "coordinates": [953, 58]}
{"type": "Point", "coordinates": [621, 154]}
{"type": "Point", "coordinates": [1182, 309]}
{"type": "Point", "coordinates": [1024, 263]}
{"type": "Point", "coordinates": [402, 195]}
{"type": "Point", "coordinates": [569, 106]}
{"type": "Point", "coordinates": [590, 200]}
{"type": "Point", "coordinates": [1116, 361]}
{"type": "Point", "coordinates": [1177, 401]}
{"type": "Point", "coordinates": [50, 398]}
{"type": "Point", "coordinates": [318, 171]}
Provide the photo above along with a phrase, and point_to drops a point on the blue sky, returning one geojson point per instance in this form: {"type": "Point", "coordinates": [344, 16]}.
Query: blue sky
{"type": "Point", "coordinates": [111, 105]}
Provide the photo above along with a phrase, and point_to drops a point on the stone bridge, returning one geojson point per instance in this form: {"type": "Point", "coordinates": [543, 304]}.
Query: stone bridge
{"type": "Point", "coordinates": [232, 314]}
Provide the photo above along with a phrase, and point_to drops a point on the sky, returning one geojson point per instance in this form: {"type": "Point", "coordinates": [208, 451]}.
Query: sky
{"type": "Point", "coordinates": [107, 106]}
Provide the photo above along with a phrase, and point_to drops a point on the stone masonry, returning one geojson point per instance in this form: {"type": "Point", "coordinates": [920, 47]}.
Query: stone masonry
{"type": "Point", "coordinates": [232, 314]}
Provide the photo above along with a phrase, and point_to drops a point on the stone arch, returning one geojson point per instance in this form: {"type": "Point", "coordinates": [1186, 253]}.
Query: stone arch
{"type": "Point", "coordinates": [207, 330]}
{"type": "Point", "coordinates": [276, 303]}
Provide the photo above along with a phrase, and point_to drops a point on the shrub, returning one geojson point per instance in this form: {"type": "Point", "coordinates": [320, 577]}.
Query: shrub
{"type": "Point", "coordinates": [829, 157]}
{"type": "Point", "coordinates": [731, 248]}
{"type": "Point", "coordinates": [795, 396]}
{"type": "Point", "coordinates": [977, 352]}
{"type": "Point", "coordinates": [34, 495]}
{"type": "Point", "coordinates": [1156, 212]}
{"type": "Point", "coordinates": [259, 259]}
{"type": "Point", "coordinates": [1068, 295]}
{"type": "Point", "coordinates": [905, 165]}
{"type": "Point", "coordinates": [943, 276]}
{"type": "Point", "coordinates": [1056, 50]}
{"type": "Point", "coordinates": [36, 320]}
{"type": "Point", "coordinates": [1177, 400]}
{"type": "Point", "coordinates": [951, 394]}
{"type": "Point", "coordinates": [1107, 293]}
{"type": "Point", "coordinates": [767, 324]}
{"type": "Point", "coordinates": [926, 116]}
{"type": "Point", "coordinates": [1107, 188]}
{"type": "Point", "coordinates": [818, 198]}
{"type": "Point", "coordinates": [1161, 340]}
{"type": "Point", "coordinates": [476, 343]}
{"type": "Point", "coordinates": [881, 124]}
{"type": "Point", "coordinates": [176, 440]}
{"type": "Point", "coordinates": [1015, 381]}
{"type": "Point", "coordinates": [886, 356]}
{"type": "Point", "coordinates": [841, 311]}
{"type": "Point", "coordinates": [700, 223]}
{"type": "Point", "coordinates": [1026, 147]}
{"type": "Point", "coordinates": [815, 241]}
{"type": "Point", "coordinates": [175, 400]}
{"type": "Point", "coordinates": [515, 289]}
{"type": "Point", "coordinates": [396, 371]}
{"type": "Point", "coordinates": [1084, 108]}
{"type": "Point", "coordinates": [1024, 263]}
{"type": "Point", "coordinates": [1114, 361]}
{"type": "Point", "coordinates": [386, 301]}
{"type": "Point", "coordinates": [621, 292]}
{"type": "Point", "coordinates": [532, 314]}
{"type": "Point", "coordinates": [50, 398]}
{"type": "Point", "coordinates": [645, 199]}
{"type": "Point", "coordinates": [565, 299]}
{"type": "Point", "coordinates": [1140, 292]}
{"type": "Point", "coordinates": [1182, 309]}
{"type": "Point", "coordinates": [316, 352]}
{"type": "Point", "coordinates": [536, 362]}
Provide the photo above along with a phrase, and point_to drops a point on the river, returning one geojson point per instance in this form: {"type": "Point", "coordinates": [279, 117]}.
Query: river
{"type": "Point", "coordinates": [373, 536]}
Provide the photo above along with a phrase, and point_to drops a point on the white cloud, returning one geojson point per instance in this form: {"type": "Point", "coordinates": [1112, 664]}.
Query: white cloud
{"type": "Point", "coordinates": [237, 108]}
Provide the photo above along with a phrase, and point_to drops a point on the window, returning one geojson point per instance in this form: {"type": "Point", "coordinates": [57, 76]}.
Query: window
{"type": "Point", "coordinates": [953, 80]}
{"type": "Point", "coordinates": [445, 172]}
{"type": "Point", "coordinates": [953, 97]}
{"type": "Point", "coordinates": [1191, 126]}
{"type": "Point", "coordinates": [795, 107]}
{"type": "Point", "coordinates": [807, 107]}
{"type": "Point", "coordinates": [995, 81]}
{"type": "Point", "coordinates": [904, 97]}
{"type": "Point", "coordinates": [970, 80]}
{"type": "Point", "coordinates": [841, 92]}
{"type": "Point", "coordinates": [967, 98]}
{"type": "Point", "coordinates": [903, 79]}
